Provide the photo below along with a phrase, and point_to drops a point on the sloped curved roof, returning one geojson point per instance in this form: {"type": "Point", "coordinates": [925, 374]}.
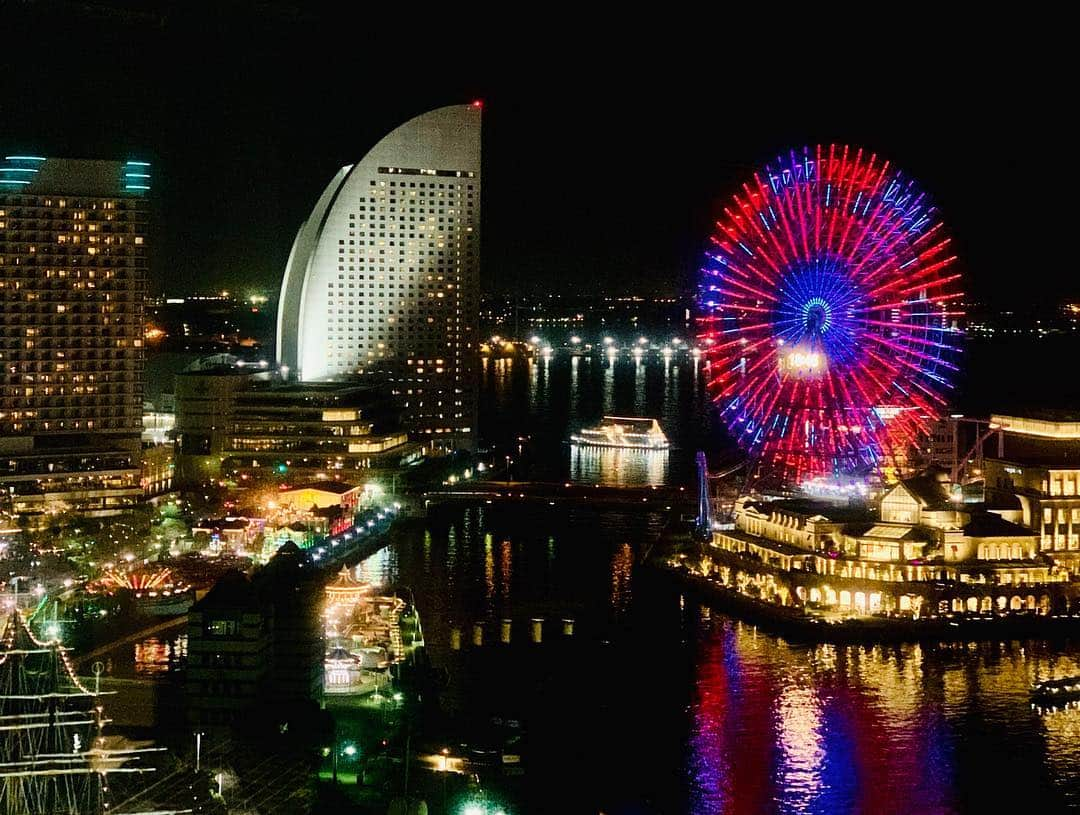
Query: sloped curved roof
{"type": "Point", "coordinates": [441, 138]}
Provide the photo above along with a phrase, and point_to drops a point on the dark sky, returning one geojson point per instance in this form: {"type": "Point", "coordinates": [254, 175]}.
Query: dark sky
{"type": "Point", "coordinates": [606, 151]}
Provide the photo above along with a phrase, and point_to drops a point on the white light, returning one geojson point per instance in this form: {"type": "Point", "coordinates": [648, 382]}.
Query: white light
{"type": "Point", "coordinates": [608, 340]}
{"type": "Point", "coordinates": [575, 340]}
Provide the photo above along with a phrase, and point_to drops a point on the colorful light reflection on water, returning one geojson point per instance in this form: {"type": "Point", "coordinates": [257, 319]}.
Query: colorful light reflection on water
{"type": "Point", "coordinates": [851, 729]}
{"type": "Point", "coordinates": [679, 710]}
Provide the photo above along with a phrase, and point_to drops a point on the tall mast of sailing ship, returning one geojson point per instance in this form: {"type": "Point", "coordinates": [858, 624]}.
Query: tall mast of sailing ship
{"type": "Point", "coordinates": [52, 753]}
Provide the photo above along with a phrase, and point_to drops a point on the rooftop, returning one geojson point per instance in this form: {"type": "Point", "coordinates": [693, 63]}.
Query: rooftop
{"type": "Point", "coordinates": [232, 590]}
{"type": "Point", "coordinates": [335, 487]}
{"type": "Point", "coordinates": [1039, 451]}
{"type": "Point", "coordinates": [810, 508]}
{"type": "Point", "coordinates": [929, 489]}
{"type": "Point", "coordinates": [766, 543]}
{"type": "Point", "coordinates": [989, 525]}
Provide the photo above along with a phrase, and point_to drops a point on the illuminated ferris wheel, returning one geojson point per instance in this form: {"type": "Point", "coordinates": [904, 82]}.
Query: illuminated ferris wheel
{"type": "Point", "coordinates": [830, 306]}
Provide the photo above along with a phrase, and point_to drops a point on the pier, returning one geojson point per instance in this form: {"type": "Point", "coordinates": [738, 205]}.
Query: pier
{"type": "Point", "coordinates": [561, 494]}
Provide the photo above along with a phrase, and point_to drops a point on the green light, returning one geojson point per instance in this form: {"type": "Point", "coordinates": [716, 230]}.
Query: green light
{"type": "Point", "coordinates": [23, 158]}
{"type": "Point", "coordinates": [281, 468]}
{"type": "Point", "coordinates": [350, 750]}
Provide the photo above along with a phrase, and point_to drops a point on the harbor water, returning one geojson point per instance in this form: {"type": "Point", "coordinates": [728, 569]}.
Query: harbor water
{"type": "Point", "coordinates": [662, 706]}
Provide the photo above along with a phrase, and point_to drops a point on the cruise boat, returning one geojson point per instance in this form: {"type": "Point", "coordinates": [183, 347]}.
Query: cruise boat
{"type": "Point", "coordinates": [619, 431]}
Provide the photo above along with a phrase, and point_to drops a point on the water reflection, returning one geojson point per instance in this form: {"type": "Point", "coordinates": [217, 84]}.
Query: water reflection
{"type": "Point", "coordinates": [778, 727]}
{"type": "Point", "coordinates": [548, 398]}
{"type": "Point", "coordinates": [156, 656]}
{"type": "Point", "coordinates": [375, 568]}
{"type": "Point", "coordinates": [622, 565]}
{"type": "Point", "coordinates": [618, 466]}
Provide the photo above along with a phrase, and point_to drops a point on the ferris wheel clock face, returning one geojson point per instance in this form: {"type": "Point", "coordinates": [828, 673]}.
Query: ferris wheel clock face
{"type": "Point", "coordinates": [830, 306]}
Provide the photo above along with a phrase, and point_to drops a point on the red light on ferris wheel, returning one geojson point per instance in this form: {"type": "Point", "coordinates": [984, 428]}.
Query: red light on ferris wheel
{"type": "Point", "coordinates": [478, 103]}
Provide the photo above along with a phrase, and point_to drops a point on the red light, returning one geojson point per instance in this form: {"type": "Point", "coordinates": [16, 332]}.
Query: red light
{"type": "Point", "coordinates": [478, 103]}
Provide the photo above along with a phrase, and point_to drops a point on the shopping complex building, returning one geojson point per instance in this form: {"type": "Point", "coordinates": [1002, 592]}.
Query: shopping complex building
{"type": "Point", "coordinates": [916, 552]}
{"type": "Point", "coordinates": [236, 425]}
{"type": "Point", "coordinates": [1036, 458]}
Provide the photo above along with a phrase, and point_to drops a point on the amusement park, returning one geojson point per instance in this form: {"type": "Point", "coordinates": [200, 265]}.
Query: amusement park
{"type": "Point", "coordinates": [832, 331]}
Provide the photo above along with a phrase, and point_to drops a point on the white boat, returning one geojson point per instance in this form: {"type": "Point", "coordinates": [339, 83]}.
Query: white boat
{"type": "Point", "coordinates": [621, 431]}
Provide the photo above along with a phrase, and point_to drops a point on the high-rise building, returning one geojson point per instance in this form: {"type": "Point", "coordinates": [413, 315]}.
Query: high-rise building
{"type": "Point", "coordinates": [73, 266]}
{"type": "Point", "coordinates": [382, 279]}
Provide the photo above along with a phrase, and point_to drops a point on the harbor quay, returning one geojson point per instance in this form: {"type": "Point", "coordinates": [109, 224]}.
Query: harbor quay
{"type": "Point", "coordinates": [914, 560]}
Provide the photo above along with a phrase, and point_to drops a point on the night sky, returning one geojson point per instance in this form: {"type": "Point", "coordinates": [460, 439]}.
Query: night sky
{"type": "Point", "coordinates": [605, 153]}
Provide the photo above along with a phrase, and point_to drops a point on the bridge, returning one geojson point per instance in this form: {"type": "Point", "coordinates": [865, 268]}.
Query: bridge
{"type": "Point", "coordinates": [556, 494]}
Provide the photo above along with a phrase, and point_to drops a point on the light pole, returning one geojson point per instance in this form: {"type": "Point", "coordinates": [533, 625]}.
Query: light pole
{"type": "Point", "coordinates": [508, 461]}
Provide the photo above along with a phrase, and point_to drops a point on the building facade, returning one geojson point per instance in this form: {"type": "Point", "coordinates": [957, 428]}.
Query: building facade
{"type": "Point", "coordinates": [230, 648]}
{"type": "Point", "coordinates": [234, 425]}
{"type": "Point", "coordinates": [917, 552]}
{"type": "Point", "coordinates": [204, 406]}
{"type": "Point", "coordinates": [73, 267]}
{"type": "Point", "coordinates": [1037, 458]}
{"type": "Point", "coordinates": [382, 279]}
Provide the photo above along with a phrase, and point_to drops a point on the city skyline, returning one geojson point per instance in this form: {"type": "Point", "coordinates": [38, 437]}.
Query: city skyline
{"type": "Point", "coordinates": [236, 151]}
{"type": "Point", "coordinates": [320, 492]}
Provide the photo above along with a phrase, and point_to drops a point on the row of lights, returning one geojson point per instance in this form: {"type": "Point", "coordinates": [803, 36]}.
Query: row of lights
{"type": "Point", "coordinates": [612, 347]}
{"type": "Point", "coordinates": [383, 514]}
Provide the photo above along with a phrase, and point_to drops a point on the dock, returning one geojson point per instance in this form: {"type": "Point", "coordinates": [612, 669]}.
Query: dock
{"type": "Point", "coordinates": [649, 498]}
